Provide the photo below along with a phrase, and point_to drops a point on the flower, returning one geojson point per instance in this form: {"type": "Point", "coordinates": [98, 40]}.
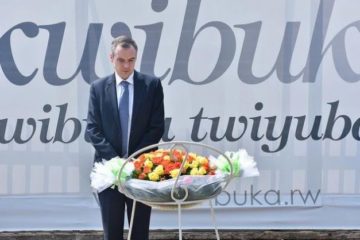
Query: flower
{"type": "Point", "coordinates": [159, 170]}
{"type": "Point", "coordinates": [107, 173]}
{"type": "Point", "coordinates": [153, 176]}
{"type": "Point", "coordinates": [165, 164]}
{"type": "Point", "coordinates": [174, 173]}
{"type": "Point", "coordinates": [242, 164]}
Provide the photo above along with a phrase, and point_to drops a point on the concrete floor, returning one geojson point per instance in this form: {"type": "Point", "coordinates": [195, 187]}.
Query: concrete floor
{"type": "Point", "coordinates": [191, 235]}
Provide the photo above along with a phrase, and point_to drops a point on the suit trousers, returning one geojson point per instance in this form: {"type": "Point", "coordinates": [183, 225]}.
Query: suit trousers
{"type": "Point", "coordinates": [112, 205]}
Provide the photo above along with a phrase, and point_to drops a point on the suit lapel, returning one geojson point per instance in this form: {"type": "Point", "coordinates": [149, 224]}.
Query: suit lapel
{"type": "Point", "coordinates": [139, 92]}
{"type": "Point", "coordinates": [112, 98]}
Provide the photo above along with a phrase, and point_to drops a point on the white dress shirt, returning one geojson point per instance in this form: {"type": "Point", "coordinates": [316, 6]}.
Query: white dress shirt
{"type": "Point", "coordinates": [119, 92]}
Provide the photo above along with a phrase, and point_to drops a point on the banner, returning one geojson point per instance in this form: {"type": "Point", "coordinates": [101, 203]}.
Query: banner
{"type": "Point", "coordinates": [278, 78]}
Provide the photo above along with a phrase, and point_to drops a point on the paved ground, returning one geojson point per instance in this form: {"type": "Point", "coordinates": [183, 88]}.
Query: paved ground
{"type": "Point", "coordinates": [191, 235]}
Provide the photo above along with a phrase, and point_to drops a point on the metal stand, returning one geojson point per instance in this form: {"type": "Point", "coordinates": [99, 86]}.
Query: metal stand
{"type": "Point", "coordinates": [212, 212]}
{"type": "Point", "coordinates": [132, 219]}
{"type": "Point", "coordinates": [177, 202]}
{"type": "Point", "coordinates": [214, 220]}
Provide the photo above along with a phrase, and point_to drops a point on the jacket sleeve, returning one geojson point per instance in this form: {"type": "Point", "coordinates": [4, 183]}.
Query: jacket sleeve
{"type": "Point", "coordinates": [94, 128]}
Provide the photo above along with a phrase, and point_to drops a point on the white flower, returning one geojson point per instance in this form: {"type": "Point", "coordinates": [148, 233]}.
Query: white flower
{"type": "Point", "coordinates": [102, 177]}
{"type": "Point", "coordinates": [106, 173]}
{"type": "Point", "coordinates": [243, 165]}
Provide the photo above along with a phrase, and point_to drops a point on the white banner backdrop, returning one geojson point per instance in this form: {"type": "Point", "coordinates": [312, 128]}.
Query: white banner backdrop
{"type": "Point", "coordinates": [279, 78]}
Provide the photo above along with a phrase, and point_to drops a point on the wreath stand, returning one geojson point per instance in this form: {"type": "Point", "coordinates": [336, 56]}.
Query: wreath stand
{"type": "Point", "coordinates": [178, 203]}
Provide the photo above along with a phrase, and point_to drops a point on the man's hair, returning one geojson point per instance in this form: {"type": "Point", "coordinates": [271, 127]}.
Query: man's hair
{"type": "Point", "coordinates": [123, 41]}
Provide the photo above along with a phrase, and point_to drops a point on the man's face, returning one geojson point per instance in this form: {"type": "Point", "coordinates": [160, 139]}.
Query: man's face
{"type": "Point", "coordinates": [123, 60]}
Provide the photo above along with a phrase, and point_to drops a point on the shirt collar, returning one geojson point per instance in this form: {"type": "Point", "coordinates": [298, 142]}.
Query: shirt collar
{"type": "Point", "coordinates": [130, 79]}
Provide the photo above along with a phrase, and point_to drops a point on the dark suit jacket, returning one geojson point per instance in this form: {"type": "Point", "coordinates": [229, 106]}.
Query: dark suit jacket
{"type": "Point", "coordinates": [103, 124]}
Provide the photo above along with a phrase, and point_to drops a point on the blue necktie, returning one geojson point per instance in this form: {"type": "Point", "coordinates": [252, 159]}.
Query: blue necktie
{"type": "Point", "coordinates": [124, 117]}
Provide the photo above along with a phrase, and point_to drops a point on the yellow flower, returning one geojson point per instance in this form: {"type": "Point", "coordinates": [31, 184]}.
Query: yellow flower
{"type": "Point", "coordinates": [186, 165]}
{"type": "Point", "coordinates": [159, 170]}
{"type": "Point", "coordinates": [166, 158]}
{"type": "Point", "coordinates": [202, 171]}
{"type": "Point", "coordinates": [193, 155]}
{"type": "Point", "coordinates": [194, 163]}
{"type": "Point", "coordinates": [202, 160]}
{"type": "Point", "coordinates": [153, 176]}
{"type": "Point", "coordinates": [148, 163]}
{"type": "Point", "coordinates": [174, 173]}
{"type": "Point", "coordinates": [194, 171]}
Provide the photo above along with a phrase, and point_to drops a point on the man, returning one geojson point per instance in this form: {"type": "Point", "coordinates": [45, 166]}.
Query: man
{"type": "Point", "coordinates": [126, 113]}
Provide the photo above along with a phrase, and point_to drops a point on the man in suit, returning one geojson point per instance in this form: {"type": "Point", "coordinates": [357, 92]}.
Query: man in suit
{"type": "Point", "coordinates": [126, 113]}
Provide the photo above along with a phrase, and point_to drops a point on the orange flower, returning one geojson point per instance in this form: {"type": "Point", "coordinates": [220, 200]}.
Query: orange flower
{"type": "Point", "coordinates": [146, 170]}
{"type": "Point", "coordinates": [138, 165]}
{"type": "Point", "coordinates": [157, 160]}
{"type": "Point", "coordinates": [142, 176]}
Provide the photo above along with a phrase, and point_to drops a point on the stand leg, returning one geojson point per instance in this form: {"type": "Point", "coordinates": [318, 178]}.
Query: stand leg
{"type": "Point", "coordinates": [179, 221]}
{"type": "Point", "coordinates": [214, 220]}
{"type": "Point", "coordinates": [96, 196]}
{"type": "Point", "coordinates": [132, 219]}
